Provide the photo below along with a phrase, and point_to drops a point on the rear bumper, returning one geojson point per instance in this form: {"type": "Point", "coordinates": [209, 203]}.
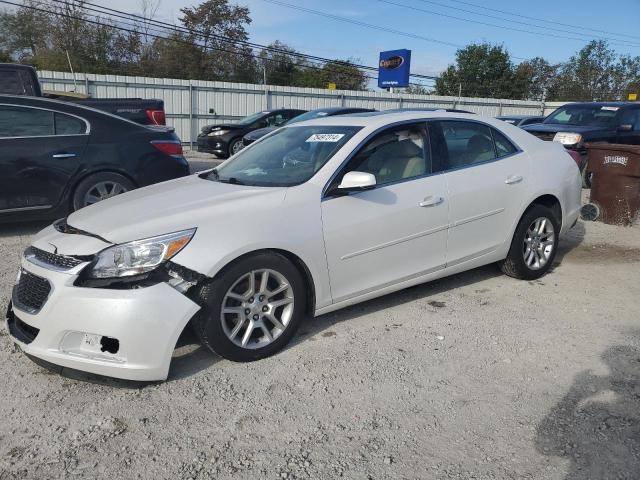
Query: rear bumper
{"type": "Point", "coordinates": [77, 327]}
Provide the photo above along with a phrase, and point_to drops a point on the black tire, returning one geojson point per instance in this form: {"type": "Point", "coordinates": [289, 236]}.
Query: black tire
{"type": "Point", "coordinates": [233, 144]}
{"type": "Point", "coordinates": [93, 181]}
{"type": "Point", "coordinates": [514, 265]}
{"type": "Point", "coordinates": [208, 323]}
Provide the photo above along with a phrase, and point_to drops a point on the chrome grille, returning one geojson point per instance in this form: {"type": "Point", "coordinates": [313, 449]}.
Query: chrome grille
{"type": "Point", "coordinates": [59, 261]}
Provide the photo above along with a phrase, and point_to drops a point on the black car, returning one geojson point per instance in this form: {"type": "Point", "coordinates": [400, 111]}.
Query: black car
{"type": "Point", "coordinates": [58, 157]}
{"type": "Point", "coordinates": [577, 124]}
{"type": "Point", "coordinates": [251, 137]}
{"type": "Point", "coordinates": [521, 120]}
{"type": "Point", "coordinates": [226, 139]}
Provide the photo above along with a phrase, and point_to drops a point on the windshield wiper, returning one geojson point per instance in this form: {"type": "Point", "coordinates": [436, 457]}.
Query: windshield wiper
{"type": "Point", "coordinates": [231, 180]}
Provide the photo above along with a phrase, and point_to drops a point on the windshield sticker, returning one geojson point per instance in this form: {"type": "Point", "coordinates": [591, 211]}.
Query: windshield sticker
{"type": "Point", "coordinates": [325, 137]}
{"type": "Point", "coordinates": [610, 109]}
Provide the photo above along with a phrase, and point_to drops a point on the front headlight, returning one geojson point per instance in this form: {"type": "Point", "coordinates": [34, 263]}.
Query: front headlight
{"type": "Point", "coordinates": [567, 138]}
{"type": "Point", "coordinates": [217, 133]}
{"type": "Point", "coordinates": [138, 257]}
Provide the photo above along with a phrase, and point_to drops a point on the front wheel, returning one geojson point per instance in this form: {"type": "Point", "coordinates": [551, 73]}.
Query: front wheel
{"type": "Point", "coordinates": [252, 309]}
{"type": "Point", "coordinates": [534, 244]}
{"type": "Point", "coordinates": [235, 146]}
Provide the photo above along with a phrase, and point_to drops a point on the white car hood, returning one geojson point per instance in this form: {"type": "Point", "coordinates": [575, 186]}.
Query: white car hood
{"type": "Point", "coordinates": [169, 207]}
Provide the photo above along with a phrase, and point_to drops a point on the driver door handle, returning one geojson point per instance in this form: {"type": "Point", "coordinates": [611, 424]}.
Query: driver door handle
{"type": "Point", "coordinates": [431, 201]}
{"type": "Point", "coordinates": [64, 155]}
{"type": "Point", "coordinates": [514, 179]}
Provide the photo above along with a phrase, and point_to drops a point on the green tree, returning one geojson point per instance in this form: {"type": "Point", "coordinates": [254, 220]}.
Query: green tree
{"type": "Point", "coordinates": [536, 78]}
{"type": "Point", "coordinates": [279, 65]}
{"type": "Point", "coordinates": [588, 75]}
{"type": "Point", "coordinates": [212, 24]}
{"type": "Point", "coordinates": [480, 70]}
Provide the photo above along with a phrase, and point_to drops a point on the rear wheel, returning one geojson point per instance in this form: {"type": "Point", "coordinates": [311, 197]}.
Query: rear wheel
{"type": "Point", "coordinates": [252, 309]}
{"type": "Point", "coordinates": [98, 187]}
{"type": "Point", "coordinates": [534, 244]}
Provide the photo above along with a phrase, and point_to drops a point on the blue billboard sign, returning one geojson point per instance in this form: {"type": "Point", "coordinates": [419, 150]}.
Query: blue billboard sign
{"type": "Point", "coordinates": [394, 68]}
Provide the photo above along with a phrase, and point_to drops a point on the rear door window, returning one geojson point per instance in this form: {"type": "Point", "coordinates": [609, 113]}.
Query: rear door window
{"type": "Point", "coordinates": [503, 146]}
{"type": "Point", "coordinates": [467, 143]}
{"type": "Point", "coordinates": [25, 122]}
{"type": "Point", "coordinates": [68, 125]}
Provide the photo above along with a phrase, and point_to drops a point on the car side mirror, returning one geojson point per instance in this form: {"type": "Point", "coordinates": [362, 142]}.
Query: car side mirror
{"type": "Point", "coordinates": [356, 181]}
{"type": "Point", "coordinates": [625, 127]}
{"type": "Point", "coordinates": [262, 124]}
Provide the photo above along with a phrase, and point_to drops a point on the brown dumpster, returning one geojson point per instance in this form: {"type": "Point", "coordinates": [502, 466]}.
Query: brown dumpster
{"type": "Point", "coordinates": [615, 186]}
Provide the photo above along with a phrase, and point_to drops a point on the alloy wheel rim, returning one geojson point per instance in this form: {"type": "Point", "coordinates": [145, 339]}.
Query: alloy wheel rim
{"type": "Point", "coordinates": [257, 308]}
{"type": "Point", "coordinates": [236, 147]}
{"type": "Point", "coordinates": [102, 191]}
{"type": "Point", "coordinates": [539, 243]}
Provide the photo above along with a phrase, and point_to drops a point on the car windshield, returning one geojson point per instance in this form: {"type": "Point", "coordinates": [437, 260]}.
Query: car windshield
{"type": "Point", "coordinates": [584, 115]}
{"type": "Point", "coordinates": [251, 118]}
{"type": "Point", "coordinates": [308, 116]}
{"type": "Point", "coordinates": [290, 156]}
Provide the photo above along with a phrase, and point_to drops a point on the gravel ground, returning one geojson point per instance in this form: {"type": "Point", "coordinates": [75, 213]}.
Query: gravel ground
{"type": "Point", "coordinates": [475, 376]}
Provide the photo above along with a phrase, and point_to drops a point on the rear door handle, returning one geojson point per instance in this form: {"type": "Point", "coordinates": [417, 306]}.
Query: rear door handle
{"type": "Point", "coordinates": [64, 155]}
{"type": "Point", "coordinates": [431, 201]}
{"type": "Point", "coordinates": [513, 179]}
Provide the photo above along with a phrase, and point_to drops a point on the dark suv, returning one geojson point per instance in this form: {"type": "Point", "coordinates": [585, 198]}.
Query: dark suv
{"type": "Point", "coordinates": [576, 124]}
{"type": "Point", "coordinates": [226, 139]}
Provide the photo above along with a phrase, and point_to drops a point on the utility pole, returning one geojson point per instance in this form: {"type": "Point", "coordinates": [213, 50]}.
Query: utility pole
{"type": "Point", "coordinates": [75, 87]}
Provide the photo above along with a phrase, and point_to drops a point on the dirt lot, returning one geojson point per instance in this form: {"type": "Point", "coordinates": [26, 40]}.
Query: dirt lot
{"type": "Point", "coordinates": [476, 376]}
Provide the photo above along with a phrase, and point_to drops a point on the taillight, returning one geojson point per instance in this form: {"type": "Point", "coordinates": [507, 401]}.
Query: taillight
{"type": "Point", "coordinates": [169, 147]}
{"type": "Point", "coordinates": [156, 117]}
{"type": "Point", "coordinates": [575, 155]}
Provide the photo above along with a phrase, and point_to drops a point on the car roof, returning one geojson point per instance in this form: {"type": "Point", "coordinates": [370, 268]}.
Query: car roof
{"type": "Point", "coordinates": [600, 104]}
{"type": "Point", "coordinates": [379, 119]}
{"type": "Point", "coordinates": [518, 117]}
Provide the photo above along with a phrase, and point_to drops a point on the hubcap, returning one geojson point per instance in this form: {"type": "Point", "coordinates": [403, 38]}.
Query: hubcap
{"type": "Point", "coordinates": [539, 242]}
{"type": "Point", "coordinates": [257, 308]}
{"type": "Point", "coordinates": [102, 191]}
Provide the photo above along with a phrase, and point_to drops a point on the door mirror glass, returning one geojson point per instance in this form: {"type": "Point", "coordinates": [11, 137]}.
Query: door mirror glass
{"type": "Point", "coordinates": [625, 127]}
{"type": "Point", "coordinates": [355, 181]}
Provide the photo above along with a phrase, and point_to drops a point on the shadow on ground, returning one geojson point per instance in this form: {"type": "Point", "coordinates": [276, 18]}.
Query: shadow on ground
{"type": "Point", "coordinates": [596, 426]}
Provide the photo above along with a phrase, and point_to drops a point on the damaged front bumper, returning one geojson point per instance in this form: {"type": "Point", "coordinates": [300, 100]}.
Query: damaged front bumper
{"type": "Point", "coordinates": [127, 333]}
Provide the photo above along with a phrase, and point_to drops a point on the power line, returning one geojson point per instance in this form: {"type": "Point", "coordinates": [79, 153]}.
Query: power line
{"type": "Point", "coordinates": [363, 24]}
{"type": "Point", "coordinates": [543, 20]}
{"type": "Point", "coordinates": [129, 16]}
{"type": "Point", "coordinates": [589, 36]}
{"type": "Point", "coordinates": [136, 31]}
{"type": "Point", "coordinates": [505, 27]}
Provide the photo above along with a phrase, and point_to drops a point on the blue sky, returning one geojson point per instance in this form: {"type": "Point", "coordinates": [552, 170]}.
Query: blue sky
{"type": "Point", "coordinates": [326, 37]}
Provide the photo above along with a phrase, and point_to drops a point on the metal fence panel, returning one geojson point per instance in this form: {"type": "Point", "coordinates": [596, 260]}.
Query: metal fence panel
{"type": "Point", "coordinates": [192, 104]}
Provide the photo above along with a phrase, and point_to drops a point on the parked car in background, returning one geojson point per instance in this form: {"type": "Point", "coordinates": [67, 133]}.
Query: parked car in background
{"type": "Point", "coordinates": [58, 157]}
{"type": "Point", "coordinates": [521, 120]}
{"type": "Point", "coordinates": [18, 79]}
{"type": "Point", "coordinates": [576, 124]}
{"type": "Point", "coordinates": [225, 139]}
{"type": "Point", "coordinates": [317, 216]}
{"type": "Point", "coordinates": [251, 137]}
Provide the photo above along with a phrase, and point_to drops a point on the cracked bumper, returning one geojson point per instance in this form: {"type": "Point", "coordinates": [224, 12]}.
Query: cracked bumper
{"type": "Point", "coordinates": [146, 322]}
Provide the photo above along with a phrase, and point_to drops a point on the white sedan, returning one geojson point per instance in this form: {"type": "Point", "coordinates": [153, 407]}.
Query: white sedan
{"type": "Point", "coordinates": [312, 218]}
